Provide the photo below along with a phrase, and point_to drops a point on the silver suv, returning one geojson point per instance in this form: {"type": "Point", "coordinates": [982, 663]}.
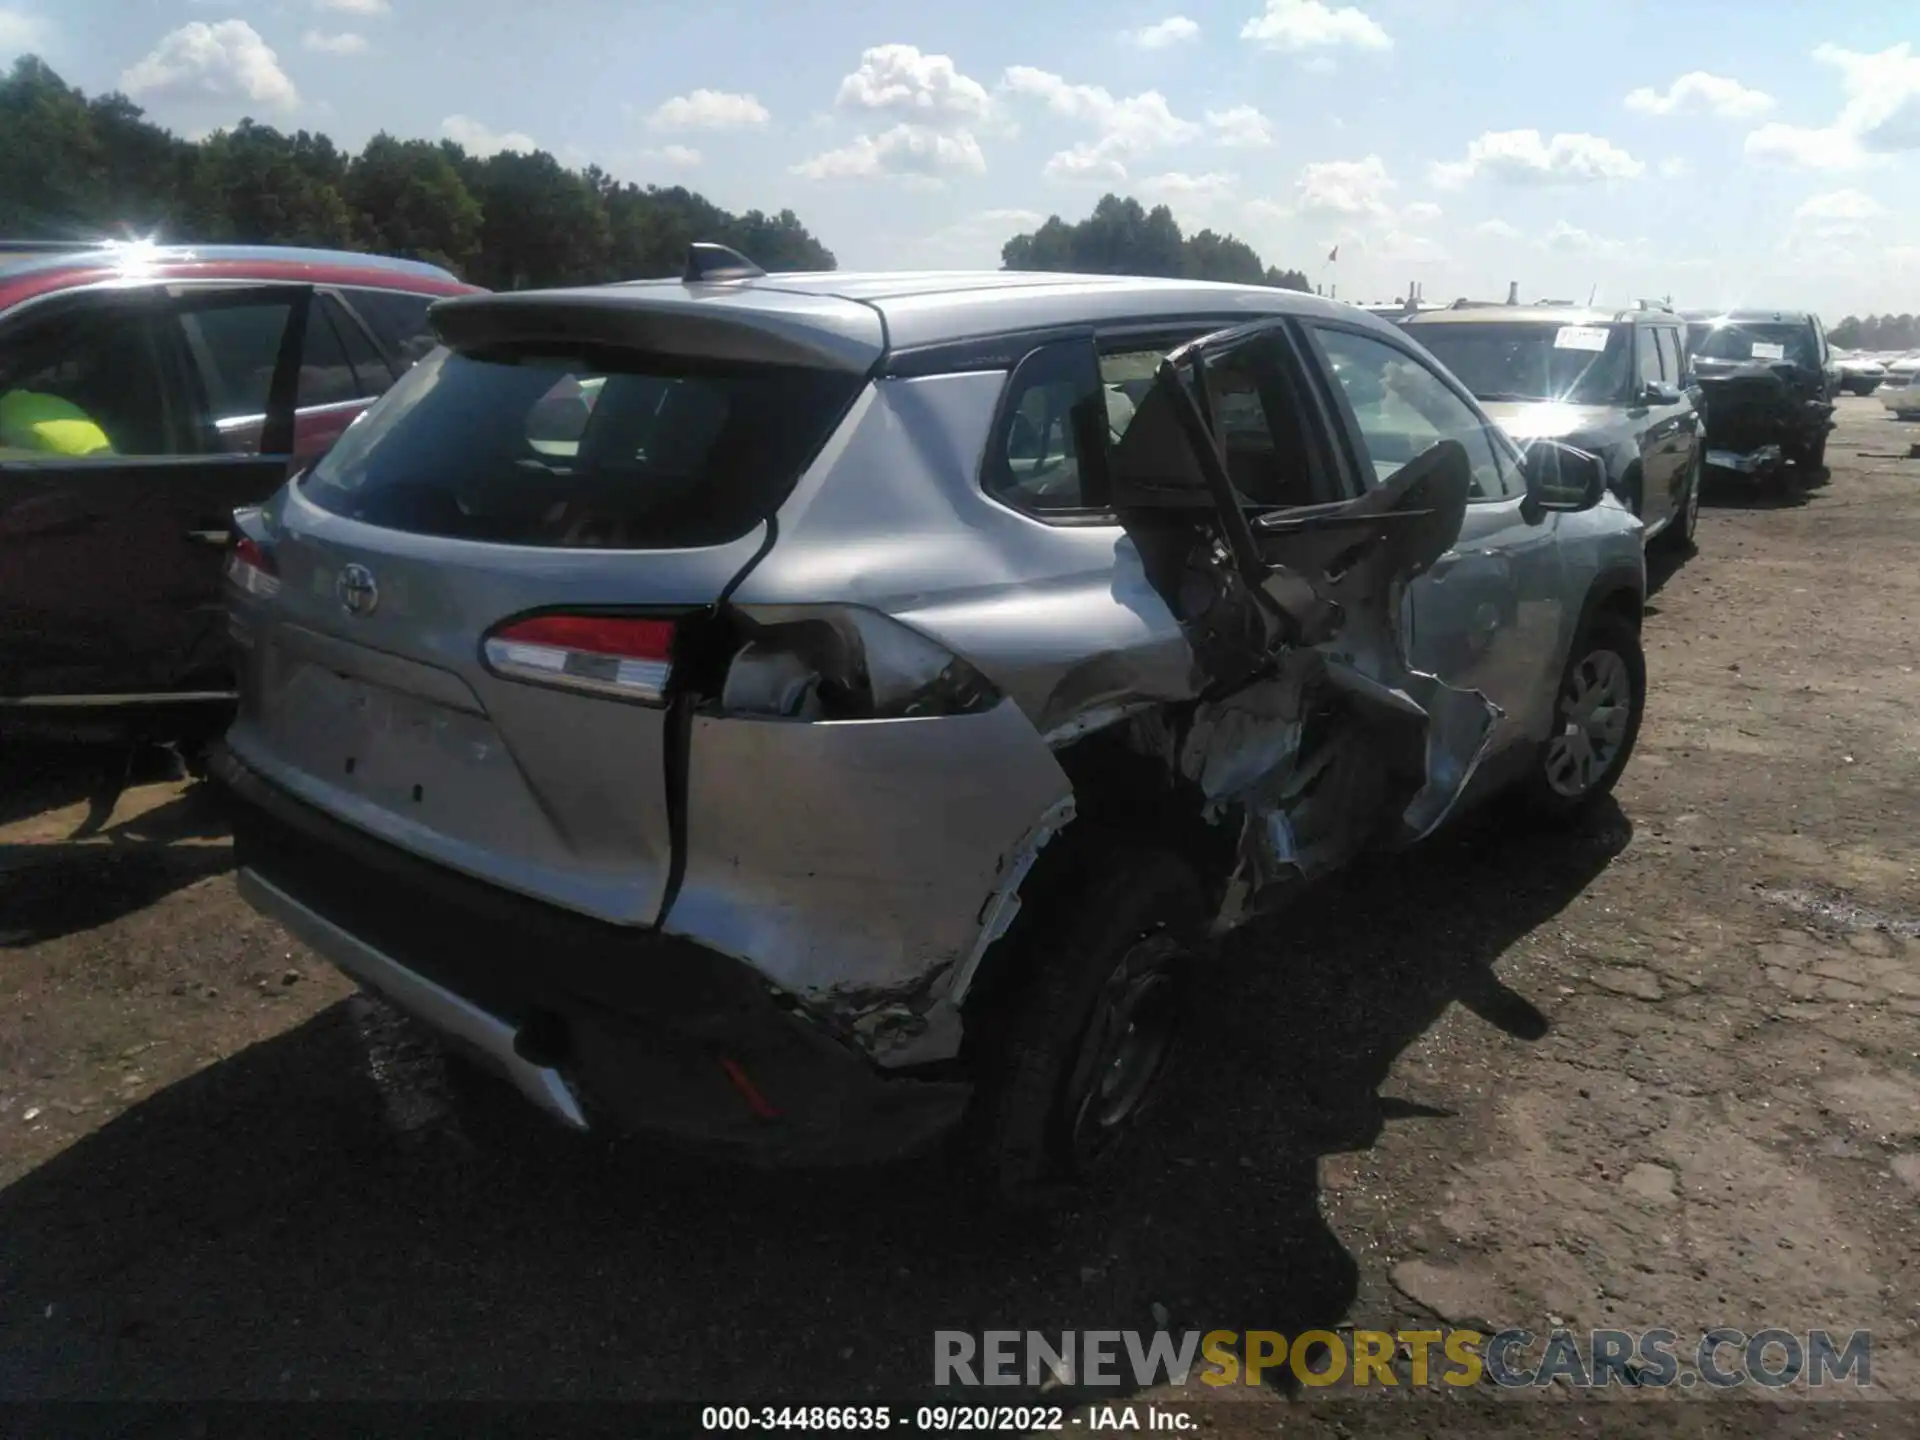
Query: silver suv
{"type": "Point", "coordinates": [816, 713]}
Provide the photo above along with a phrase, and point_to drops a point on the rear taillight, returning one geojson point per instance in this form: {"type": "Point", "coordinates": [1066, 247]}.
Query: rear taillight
{"type": "Point", "coordinates": [617, 656]}
{"type": "Point", "coordinates": [252, 569]}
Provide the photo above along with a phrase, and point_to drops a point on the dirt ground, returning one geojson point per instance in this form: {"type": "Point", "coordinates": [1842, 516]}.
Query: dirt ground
{"type": "Point", "coordinates": [1662, 1072]}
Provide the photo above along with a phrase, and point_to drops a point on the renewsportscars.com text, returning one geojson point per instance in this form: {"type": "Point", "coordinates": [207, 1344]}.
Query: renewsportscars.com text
{"type": "Point", "coordinates": [1718, 1359]}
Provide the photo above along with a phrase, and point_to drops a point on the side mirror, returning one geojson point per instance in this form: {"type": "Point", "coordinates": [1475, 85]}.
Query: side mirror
{"type": "Point", "coordinates": [1561, 478]}
{"type": "Point", "coordinates": [1658, 394]}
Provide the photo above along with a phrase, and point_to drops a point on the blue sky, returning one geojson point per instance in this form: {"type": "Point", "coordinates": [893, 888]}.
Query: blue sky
{"type": "Point", "coordinates": [1717, 151]}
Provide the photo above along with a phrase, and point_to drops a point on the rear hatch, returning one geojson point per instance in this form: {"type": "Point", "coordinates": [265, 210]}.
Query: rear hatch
{"type": "Point", "coordinates": [462, 621]}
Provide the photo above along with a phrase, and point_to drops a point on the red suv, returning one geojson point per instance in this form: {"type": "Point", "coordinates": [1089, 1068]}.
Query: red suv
{"type": "Point", "coordinates": [146, 392]}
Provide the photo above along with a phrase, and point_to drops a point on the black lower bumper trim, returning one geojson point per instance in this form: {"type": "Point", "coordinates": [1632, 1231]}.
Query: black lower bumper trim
{"type": "Point", "coordinates": [648, 1027]}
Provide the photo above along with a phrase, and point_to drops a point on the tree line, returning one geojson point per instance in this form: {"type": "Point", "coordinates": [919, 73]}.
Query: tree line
{"type": "Point", "coordinates": [1123, 238]}
{"type": "Point", "coordinates": [1877, 332]}
{"type": "Point", "coordinates": [73, 167]}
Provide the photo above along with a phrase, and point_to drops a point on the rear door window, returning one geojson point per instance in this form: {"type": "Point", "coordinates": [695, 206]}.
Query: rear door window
{"type": "Point", "coordinates": [596, 452]}
{"type": "Point", "coordinates": [1033, 460]}
{"type": "Point", "coordinates": [370, 373]}
{"type": "Point", "coordinates": [1668, 340]}
{"type": "Point", "coordinates": [1646, 356]}
{"type": "Point", "coordinates": [88, 380]}
{"type": "Point", "coordinates": [235, 348]}
{"type": "Point", "coordinates": [398, 320]}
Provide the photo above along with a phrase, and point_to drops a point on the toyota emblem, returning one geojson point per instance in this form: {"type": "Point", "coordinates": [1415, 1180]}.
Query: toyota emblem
{"type": "Point", "coordinates": [357, 592]}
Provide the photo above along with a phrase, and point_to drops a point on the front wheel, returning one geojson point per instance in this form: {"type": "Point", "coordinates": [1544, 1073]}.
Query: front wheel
{"type": "Point", "coordinates": [1076, 1044]}
{"type": "Point", "coordinates": [1596, 719]}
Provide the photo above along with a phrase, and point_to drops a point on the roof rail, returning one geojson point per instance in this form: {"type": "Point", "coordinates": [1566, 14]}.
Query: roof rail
{"type": "Point", "coordinates": [708, 263]}
{"type": "Point", "coordinates": [47, 247]}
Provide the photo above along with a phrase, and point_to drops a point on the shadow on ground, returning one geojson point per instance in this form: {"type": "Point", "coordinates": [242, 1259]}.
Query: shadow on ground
{"type": "Point", "coordinates": [100, 869]}
{"type": "Point", "coordinates": [1785, 490]}
{"type": "Point", "coordinates": [270, 1227]}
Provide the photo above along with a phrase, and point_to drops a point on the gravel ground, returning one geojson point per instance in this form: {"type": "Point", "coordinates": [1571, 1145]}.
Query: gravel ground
{"type": "Point", "coordinates": [1662, 1072]}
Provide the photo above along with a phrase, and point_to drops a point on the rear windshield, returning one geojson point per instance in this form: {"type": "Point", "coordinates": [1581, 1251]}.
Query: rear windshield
{"type": "Point", "coordinates": [1576, 364]}
{"type": "Point", "coordinates": [584, 452]}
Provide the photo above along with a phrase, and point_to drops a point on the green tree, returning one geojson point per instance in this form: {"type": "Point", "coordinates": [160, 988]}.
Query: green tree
{"type": "Point", "coordinates": [73, 168]}
{"type": "Point", "coordinates": [1121, 237]}
{"type": "Point", "coordinates": [408, 199]}
{"type": "Point", "coordinates": [255, 185]}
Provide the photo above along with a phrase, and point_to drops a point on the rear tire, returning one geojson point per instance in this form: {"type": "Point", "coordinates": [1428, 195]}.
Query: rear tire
{"type": "Point", "coordinates": [1073, 1046]}
{"type": "Point", "coordinates": [1593, 735]}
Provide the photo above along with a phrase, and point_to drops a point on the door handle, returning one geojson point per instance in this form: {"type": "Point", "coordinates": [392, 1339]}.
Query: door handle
{"type": "Point", "coordinates": [219, 539]}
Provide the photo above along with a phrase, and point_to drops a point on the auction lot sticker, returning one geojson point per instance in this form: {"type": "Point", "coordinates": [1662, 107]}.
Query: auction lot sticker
{"type": "Point", "coordinates": [1581, 337]}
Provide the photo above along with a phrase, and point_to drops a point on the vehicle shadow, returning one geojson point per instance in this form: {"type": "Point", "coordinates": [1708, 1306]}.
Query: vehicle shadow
{"type": "Point", "coordinates": [73, 876]}
{"type": "Point", "coordinates": [1786, 490]}
{"type": "Point", "coordinates": [274, 1226]}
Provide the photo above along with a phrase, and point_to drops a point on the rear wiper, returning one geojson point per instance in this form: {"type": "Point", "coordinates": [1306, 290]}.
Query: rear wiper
{"type": "Point", "coordinates": [1510, 398]}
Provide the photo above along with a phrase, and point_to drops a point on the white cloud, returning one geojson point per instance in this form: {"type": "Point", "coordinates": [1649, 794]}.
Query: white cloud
{"type": "Point", "coordinates": [1179, 187]}
{"type": "Point", "coordinates": [922, 89]}
{"type": "Point", "coordinates": [1320, 65]}
{"type": "Point", "coordinates": [1496, 230]}
{"type": "Point", "coordinates": [1840, 205]}
{"type": "Point", "coordinates": [1524, 157]}
{"type": "Point", "coordinates": [1421, 212]}
{"type": "Point", "coordinates": [20, 32]}
{"type": "Point", "coordinates": [1345, 187]}
{"type": "Point", "coordinates": [1883, 95]}
{"type": "Point", "coordinates": [681, 157]}
{"type": "Point", "coordinates": [1241, 127]}
{"type": "Point", "coordinates": [1675, 167]}
{"type": "Point", "coordinates": [915, 153]}
{"type": "Point", "coordinates": [1698, 91]}
{"type": "Point", "coordinates": [1127, 127]}
{"type": "Point", "coordinates": [356, 7]}
{"type": "Point", "coordinates": [1572, 240]}
{"type": "Point", "coordinates": [709, 110]}
{"type": "Point", "coordinates": [1881, 115]}
{"type": "Point", "coordinates": [1824, 148]}
{"type": "Point", "coordinates": [478, 140]}
{"type": "Point", "coordinates": [1293, 25]}
{"type": "Point", "coordinates": [225, 63]}
{"type": "Point", "coordinates": [344, 43]}
{"type": "Point", "coordinates": [1173, 30]}
{"type": "Point", "coordinates": [1085, 163]}
{"type": "Point", "coordinates": [1408, 247]}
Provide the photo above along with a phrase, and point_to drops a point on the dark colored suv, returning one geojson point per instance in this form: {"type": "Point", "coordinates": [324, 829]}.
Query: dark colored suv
{"type": "Point", "coordinates": [1770, 380]}
{"type": "Point", "coordinates": [146, 392]}
{"type": "Point", "coordinates": [1613, 383]}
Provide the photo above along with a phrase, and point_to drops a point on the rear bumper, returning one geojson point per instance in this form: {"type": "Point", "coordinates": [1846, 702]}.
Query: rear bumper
{"type": "Point", "coordinates": [1757, 461]}
{"type": "Point", "coordinates": [593, 1022]}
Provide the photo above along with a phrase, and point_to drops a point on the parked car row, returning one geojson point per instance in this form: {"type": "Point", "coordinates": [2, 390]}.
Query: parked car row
{"type": "Point", "coordinates": [1899, 388]}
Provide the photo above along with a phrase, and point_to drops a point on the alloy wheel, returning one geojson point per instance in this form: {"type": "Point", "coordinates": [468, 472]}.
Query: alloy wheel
{"type": "Point", "coordinates": [1124, 1050]}
{"type": "Point", "coordinates": [1595, 710]}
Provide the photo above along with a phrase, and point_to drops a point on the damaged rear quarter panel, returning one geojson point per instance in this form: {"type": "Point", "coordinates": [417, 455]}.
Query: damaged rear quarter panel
{"type": "Point", "coordinates": [853, 862]}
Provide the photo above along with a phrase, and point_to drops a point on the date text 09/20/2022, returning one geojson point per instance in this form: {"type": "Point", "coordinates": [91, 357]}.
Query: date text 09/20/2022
{"type": "Point", "coordinates": [941, 1419]}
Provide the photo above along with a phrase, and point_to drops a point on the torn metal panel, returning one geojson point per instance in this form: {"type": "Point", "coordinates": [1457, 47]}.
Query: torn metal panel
{"type": "Point", "coordinates": [1316, 737]}
{"type": "Point", "coordinates": [1004, 903]}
